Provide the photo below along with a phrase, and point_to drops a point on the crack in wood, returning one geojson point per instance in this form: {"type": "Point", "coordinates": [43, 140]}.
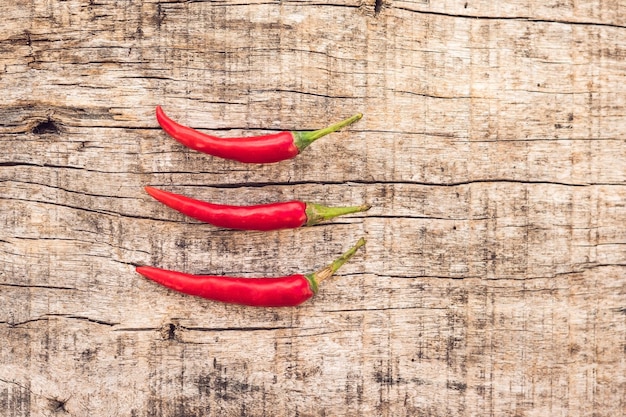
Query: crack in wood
{"type": "Point", "coordinates": [100, 212]}
{"type": "Point", "coordinates": [512, 18]}
{"type": "Point", "coordinates": [306, 93]}
{"type": "Point", "coordinates": [235, 329]}
{"type": "Point", "coordinates": [378, 6]}
{"type": "Point", "coordinates": [491, 279]}
{"type": "Point", "coordinates": [426, 95]}
{"type": "Point", "coordinates": [50, 316]}
{"type": "Point", "coordinates": [41, 286]}
{"type": "Point", "coordinates": [360, 310]}
{"type": "Point", "coordinates": [56, 187]}
{"type": "Point", "coordinates": [306, 335]}
{"type": "Point", "coordinates": [86, 242]}
{"type": "Point", "coordinates": [401, 182]}
{"type": "Point", "coordinates": [136, 329]}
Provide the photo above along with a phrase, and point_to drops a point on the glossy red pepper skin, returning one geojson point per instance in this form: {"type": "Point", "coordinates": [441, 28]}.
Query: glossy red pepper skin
{"type": "Point", "coordinates": [256, 149]}
{"type": "Point", "coordinates": [285, 291]}
{"type": "Point", "coordinates": [262, 217]}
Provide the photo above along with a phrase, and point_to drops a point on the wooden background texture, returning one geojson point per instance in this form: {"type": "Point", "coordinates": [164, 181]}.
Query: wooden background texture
{"type": "Point", "coordinates": [492, 148]}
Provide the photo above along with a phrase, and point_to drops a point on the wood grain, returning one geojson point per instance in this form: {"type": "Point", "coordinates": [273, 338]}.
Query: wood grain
{"type": "Point", "coordinates": [492, 150]}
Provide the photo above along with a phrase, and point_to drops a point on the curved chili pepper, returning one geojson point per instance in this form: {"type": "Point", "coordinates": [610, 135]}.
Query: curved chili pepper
{"type": "Point", "coordinates": [274, 216]}
{"type": "Point", "coordinates": [257, 149]}
{"type": "Point", "coordinates": [287, 291]}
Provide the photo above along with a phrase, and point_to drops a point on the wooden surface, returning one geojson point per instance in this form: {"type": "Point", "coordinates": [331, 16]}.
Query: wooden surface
{"type": "Point", "coordinates": [493, 151]}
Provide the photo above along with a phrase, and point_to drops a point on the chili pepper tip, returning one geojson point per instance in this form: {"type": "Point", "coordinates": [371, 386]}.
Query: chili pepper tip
{"type": "Point", "coordinates": [155, 192]}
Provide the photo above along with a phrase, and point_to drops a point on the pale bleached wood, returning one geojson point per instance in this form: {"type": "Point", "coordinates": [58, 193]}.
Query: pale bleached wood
{"type": "Point", "coordinates": [492, 150]}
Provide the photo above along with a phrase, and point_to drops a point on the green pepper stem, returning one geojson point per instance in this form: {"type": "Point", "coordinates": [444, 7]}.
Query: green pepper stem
{"type": "Point", "coordinates": [316, 213]}
{"type": "Point", "coordinates": [317, 277]}
{"type": "Point", "coordinates": [302, 139]}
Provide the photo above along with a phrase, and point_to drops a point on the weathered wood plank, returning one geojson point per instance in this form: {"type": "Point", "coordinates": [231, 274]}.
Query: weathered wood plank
{"type": "Point", "coordinates": [492, 150]}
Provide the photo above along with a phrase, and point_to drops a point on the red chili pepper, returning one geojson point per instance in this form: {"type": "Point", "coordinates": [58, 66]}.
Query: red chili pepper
{"type": "Point", "coordinates": [274, 216]}
{"type": "Point", "coordinates": [257, 149]}
{"type": "Point", "coordinates": [284, 291]}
